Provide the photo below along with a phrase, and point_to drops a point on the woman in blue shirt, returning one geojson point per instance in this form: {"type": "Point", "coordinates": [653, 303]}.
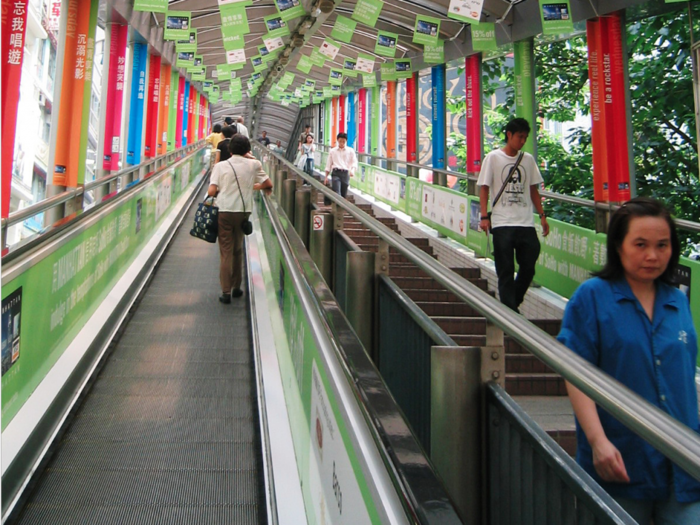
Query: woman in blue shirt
{"type": "Point", "coordinates": [631, 322]}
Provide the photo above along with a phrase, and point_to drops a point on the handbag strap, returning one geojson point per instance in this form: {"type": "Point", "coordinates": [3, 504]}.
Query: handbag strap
{"type": "Point", "coordinates": [239, 184]}
{"type": "Point", "coordinates": [510, 176]}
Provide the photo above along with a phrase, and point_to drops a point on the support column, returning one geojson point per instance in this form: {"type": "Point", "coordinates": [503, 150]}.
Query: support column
{"type": "Point", "coordinates": [524, 58]}
{"type": "Point", "coordinates": [359, 295]}
{"type": "Point", "coordinates": [475, 126]}
{"type": "Point", "coordinates": [321, 243]}
{"type": "Point", "coordinates": [302, 212]}
{"type": "Point", "coordinates": [439, 123]}
{"type": "Point", "coordinates": [289, 187]}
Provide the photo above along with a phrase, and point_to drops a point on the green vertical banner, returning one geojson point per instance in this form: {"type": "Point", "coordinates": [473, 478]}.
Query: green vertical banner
{"type": "Point", "coordinates": [374, 119]}
{"type": "Point", "coordinates": [525, 88]}
{"type": "Point", "coordinates": [367, 11]}
{"type": "Point", "coordinates": [327, 123]}
{"type": "Point", "coordinates": [556, 17]}
{"type": "Point", "coordinates": [87, 89]}
{"type": "Point", "coordinates": [172, 117]}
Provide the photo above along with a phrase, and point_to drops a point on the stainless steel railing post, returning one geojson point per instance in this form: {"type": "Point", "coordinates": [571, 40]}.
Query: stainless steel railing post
{"type": "Point", "coordinates": [359, 295]}
{"type": "Point", "coordinates": [321, 243]}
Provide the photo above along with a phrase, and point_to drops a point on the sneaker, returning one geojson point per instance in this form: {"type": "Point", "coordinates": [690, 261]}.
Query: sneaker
{"type": "Point", "coordinates": [225, 298]}
{"type": "Point", "coordinates": [237, 292]}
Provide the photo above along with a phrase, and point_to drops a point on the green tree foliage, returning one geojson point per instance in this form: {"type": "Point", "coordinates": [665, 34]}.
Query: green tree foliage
{"type": "Point", "coordinates": [662, 112]}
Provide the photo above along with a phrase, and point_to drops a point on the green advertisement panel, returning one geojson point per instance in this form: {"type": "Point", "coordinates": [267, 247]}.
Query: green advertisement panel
{"type": "Point", "coordinates": [556, 17]}
{"type": "Point", "coordinates": [427, 30]}
{"type": "Point", "coordinates": [343, 29]}
{"type": "Point", "coordinates": [325, 454]}
{"type": "Point", "coordinates": [177, 25]}
{"type": "Point", "coordinates": [367, 11]}
{"type": "Point", "coordinates": [434, 54]}
{"type": "Point", "coordinates": [484, 36]}
{"type": "Point", "coordinates": [45, 307]}
{"type": "Point", "coordinates": [151, 6]}
{"type": "Point", "coordinates": [523, 56]}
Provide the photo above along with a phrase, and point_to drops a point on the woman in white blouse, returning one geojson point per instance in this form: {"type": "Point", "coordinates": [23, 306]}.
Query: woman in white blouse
{"type": "Point", "coordinates": [232, 183]}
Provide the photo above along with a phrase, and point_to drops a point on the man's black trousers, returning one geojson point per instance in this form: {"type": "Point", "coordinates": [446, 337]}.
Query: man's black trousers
{"type": "Point", "coordinates": [515, 243]}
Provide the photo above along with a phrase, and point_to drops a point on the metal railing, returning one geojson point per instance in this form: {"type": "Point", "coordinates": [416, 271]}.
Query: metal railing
{"type": "Point", "coordinates": [560, 197]}
{"type": "Point", "coordinates": [142, 170]}
{"type": "Point", "coordinates": [673, 439]}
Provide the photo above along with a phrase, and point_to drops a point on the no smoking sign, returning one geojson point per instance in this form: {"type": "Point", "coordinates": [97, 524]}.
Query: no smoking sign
{"type": "Point", "coordinates": [318, 222]}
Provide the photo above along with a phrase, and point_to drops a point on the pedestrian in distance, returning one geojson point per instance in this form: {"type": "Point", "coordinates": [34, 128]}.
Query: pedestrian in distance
{"type": "Point", "coordinates": [242, 129]}
{"type": "Point", "coordinates": [215, 136]}
{"type": "Point", "coordinates": [513, 177]}
{"type": "Point", "coordinates": [223, 149]}
{"type": "Point", "coordinates": [341, 165]}
{"type": "Point", "coordinates": [307, 149]}
{"type": "Point", "coordinates": [264, 139]}
{"type": "Point", "coordinates": [302, 137]}
{"type": "Point", "coordinates": [232, 183]}
{"type": "Point", "coordinates": [635, 325]}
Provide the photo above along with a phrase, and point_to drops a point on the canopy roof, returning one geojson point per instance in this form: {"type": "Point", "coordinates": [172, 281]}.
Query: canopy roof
{"type": "Point", "coordinates": [515, 20]}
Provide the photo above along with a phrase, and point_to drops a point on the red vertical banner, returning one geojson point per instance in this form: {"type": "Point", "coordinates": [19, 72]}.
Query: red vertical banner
{"type": "Point", "coordinates": [341, 114]}
{"type": "Point", "coordinates": [180, 110]}
{"type": "Point", "coordinates": [411, 118]}
{"type": "Point", "coordinates": [616, 109]}
{"type": "Point", "coordinates": [115, 96]}
{"type": "Point", "coordinates": [361, 121]}
{"type": "Point", "coordinates": [14, 25]}
{"type": "Point", "coordinates": [598, 142]}
{"type": "Point", "coordinates": [391, 119]}
{"type": "Point", "coordinates": [190, 116]}
{"type": "Point", "coordinates": [164, 103]}
{"type": "Point", "coordinates": [150, 147]}
{"type": "Point", "coordinates": [65, 172]}
{"type": "Point", "coordinates": [474, 123]}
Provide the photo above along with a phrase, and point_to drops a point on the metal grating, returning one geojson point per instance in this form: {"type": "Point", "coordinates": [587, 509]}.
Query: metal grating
{"type": "Point", "coordinates": [168, 432]}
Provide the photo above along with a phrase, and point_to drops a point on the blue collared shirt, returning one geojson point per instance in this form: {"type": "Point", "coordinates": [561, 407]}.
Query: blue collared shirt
{"type": "Point", "coordinates": [605, 324]}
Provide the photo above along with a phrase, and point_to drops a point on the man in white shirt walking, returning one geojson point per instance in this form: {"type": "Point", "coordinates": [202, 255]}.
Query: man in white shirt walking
{"type": "Point", "coordinates": [511, 219]}
{"type": "Point", "coordinates": [241, 128]}
{"type": "Point", "coordinates": [341, 165]}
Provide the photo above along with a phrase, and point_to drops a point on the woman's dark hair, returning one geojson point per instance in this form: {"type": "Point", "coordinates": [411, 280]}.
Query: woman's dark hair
{"type": "Point", "coordinates": [228, 131]}
{"type": "Point", "coordinates": [617, 231]}
{"type": "Point", "coordinates": [516, 125]}
{"type": "Point", "coordinates": [217, 128]}
{"type": "Point", "coordinates": [239, 145]}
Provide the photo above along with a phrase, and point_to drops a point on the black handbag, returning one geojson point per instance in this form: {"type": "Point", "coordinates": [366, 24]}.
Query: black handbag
{"type": "Point", "coordinates": [206, 221]}
{"type": "Point", "coordinates": [246, 225]}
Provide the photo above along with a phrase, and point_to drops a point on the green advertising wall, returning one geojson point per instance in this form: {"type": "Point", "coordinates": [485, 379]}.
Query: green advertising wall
{"type": "Point", "coordinates": [568, 255]}
{"type": "Point", "coordinates": [324, 449]}
{"type": "Point", "coordinates": [48, 304]}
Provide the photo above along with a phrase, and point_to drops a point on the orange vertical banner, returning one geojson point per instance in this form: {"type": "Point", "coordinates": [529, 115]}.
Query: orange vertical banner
{"type": "Point", "coordinates": [164, 103]}
{"type": "Point", "coordinates": [391, 119]}
{"type": "Point", "coordinates": [67, 149]}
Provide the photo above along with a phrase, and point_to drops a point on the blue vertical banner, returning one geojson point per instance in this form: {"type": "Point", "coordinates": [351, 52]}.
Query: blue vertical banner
{"type": "Point", "coordinates": [134, 143]}
{"type": "Point", "coordinates": [185, 113]}
{"type": "Point", "coordinates": [352, 121]}
{"type": "Point", "coordinates": [439, 116]}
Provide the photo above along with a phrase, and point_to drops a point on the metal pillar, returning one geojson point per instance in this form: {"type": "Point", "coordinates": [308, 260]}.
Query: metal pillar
{"type": "Point", "coordinates": [302, 212]}
{"type": "Point", "coordinates": [359, 295]}
{"type": "Point", "coordinates": [321, 243]}
{"type": "Point", "coordinates": [289, 188]}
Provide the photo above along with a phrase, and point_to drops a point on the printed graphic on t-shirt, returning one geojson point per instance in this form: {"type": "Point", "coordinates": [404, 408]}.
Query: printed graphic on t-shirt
{"type": "Point", "coordinates": [513, 195]}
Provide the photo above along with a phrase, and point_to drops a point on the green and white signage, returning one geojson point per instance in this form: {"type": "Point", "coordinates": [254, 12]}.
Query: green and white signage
{"type": "Point", "coordinates": [289, 9]}
{"type": "Point", "coordinates": [369, 80]}
{"type": "Point", "coordinates": [276, 26]}
{"type": "Point", "coordinates": [234, 42]}
{"type": "Point", "coordinates": [184, 59]}
{"type": "Point", "coordinates": [403, 68]}
{"type": "Point", "coordinates": [465, 10]}
{"type": "Point", "coordinates": [386, 44]}
{"type": "Point", "coordinates": [235, 56]}
{"type": "Point", "coordinates": [484, 37]}
{"type": "Point", "coordinates": [367, 11]}
{"type": "Point", "coordinates": [317, 59]}
{"type": "Point", "coordinates": [365, 63]}
{"type": "Point", "coordinates": [556, 17]}
{"type": "Point", "coordinates": [329, 48]}
{"type": "Point", "coordinates": [304, 64]}
{"type": "Point", "coordinates": [335, 78]}
{"type": "Point", "coordinates": [434, 54]}
{"type": "Point", "coordinates": [151, 6]}
{"type": "Point", "coordinates": [387, 71]}
{"type": "Point", "coordinates": [427, 30]}
{"type": "Point", "coordinates": [273, 44]}
{"type": "Point", "coordinates": [189, 44]}
{"type": "Point", "coordinates": [349, 67]}
{"type": "Point", "coordinates": [177, 25]}
{"type": "Point", "coordinates": [343, 29]}
{"type": "Point", "coordinates": [234, 20]}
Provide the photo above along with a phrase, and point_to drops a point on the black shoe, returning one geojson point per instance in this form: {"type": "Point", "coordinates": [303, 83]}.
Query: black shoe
{"type": "Point", "coordinates": [237, 292]}
{"type": "Point", "coordinates": [225, 298]}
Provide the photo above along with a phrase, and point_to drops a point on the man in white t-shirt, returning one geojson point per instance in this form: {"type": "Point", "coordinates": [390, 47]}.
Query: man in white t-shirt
{"type": "Point", "coordinates": [511, 221]}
